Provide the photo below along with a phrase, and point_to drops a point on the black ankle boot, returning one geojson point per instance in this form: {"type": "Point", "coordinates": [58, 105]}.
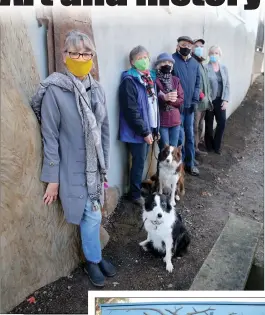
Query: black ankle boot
{"type": "Point", "coordinates": [94, 274]}
{"type": "Point", "coordinates": [107, 268]}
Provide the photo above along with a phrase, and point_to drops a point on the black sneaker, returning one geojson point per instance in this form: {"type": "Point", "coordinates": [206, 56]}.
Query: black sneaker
{"type": "Point", "coordinates": [94, 274]}
{"type": "Point", "coordinates": [192, 170]}
{"type": "Point", "coordinates": [107, 268]}
{"type": "Point", "coordinates": [218, 152]}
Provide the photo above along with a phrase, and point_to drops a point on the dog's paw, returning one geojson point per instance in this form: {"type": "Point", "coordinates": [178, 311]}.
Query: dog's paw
{"type": "Point", "coordinates": [173, 203]}
{"type": "Point", "coordinates": [142, 244]}
{"type": "Point", "coordinates": [144, 248]}
{"type": "Point", "coordinates": [169, 267]}
{"type": "Point", "coordinates": [177, 198]}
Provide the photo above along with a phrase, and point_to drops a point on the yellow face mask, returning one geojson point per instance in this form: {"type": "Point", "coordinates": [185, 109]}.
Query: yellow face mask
{"type": "Point", "coordinates": [79, 68]}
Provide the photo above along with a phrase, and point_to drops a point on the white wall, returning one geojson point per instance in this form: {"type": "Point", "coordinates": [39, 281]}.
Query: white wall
{"type": "Point", "coordinates": [118, 30]}
{"type": "Point", "coordinates": [38, 37]}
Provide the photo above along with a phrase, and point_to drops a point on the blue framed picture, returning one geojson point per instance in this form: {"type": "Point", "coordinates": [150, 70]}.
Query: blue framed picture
{"type": "Point", "coordinates": [186, 308]}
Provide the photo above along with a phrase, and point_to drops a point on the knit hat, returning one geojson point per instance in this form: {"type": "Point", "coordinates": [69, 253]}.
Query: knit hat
{"type": "Point", "coordinates": [164, 57]}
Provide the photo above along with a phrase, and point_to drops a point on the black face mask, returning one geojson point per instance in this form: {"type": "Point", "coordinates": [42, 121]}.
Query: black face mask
{"type": "Point", "coordinates": [184, 51]}
{"type": "Point", "coordinates": [165, 69]}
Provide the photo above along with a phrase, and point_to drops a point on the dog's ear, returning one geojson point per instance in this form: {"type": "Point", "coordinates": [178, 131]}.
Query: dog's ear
{"type": "Point", "coordinates": [169, 206]}
{"type": "Point", "coordinates": [177, 152]}
{"type": "Point", "coordinates": [180, 147]}
{"type": "Point", "coordinates": [144, 193]}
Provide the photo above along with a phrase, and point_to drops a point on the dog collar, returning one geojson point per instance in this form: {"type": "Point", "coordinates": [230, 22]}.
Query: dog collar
{"type": "Point", "coordinates": [155, 224]}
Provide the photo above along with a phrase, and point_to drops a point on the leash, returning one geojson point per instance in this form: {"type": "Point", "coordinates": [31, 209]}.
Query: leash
{"type": "Point", "coordinates": [152, 154]}
{"type": "Point", "coordinates": [142, 225]}
{"type": "Point", "coordinates": [151, 222]}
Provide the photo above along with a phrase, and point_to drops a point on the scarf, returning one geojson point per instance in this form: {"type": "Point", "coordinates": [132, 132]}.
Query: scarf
{"type": "Point", "coordinates": [149, 85]}
{"type": "Point", "coordinates": [165, 79]}
{"type": "Point", "coordinates": [95, 164]}
{"type": "Point", "coordinates": [152, 99]}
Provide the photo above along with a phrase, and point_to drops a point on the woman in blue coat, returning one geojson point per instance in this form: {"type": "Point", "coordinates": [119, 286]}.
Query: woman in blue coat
{"type": "Point", "coordinates": [139, 115]}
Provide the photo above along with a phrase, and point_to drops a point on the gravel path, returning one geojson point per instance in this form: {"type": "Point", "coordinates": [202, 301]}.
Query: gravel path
{"type": "Point", "coordinates": [232, 182]}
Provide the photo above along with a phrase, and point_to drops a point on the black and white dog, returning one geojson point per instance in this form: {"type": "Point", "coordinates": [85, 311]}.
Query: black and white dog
{"type": "Point", "coordinates": [166, 234]}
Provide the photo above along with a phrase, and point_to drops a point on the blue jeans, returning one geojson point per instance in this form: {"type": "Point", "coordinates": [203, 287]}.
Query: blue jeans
{"type": "Point", "coordinates": [139, 152]}
{"type": "Point", "coordinates": [169, 136]}
{"type": "Point", "coordinates": [186, 137]}
{"type": "Point", "coordinates": [90, 233]}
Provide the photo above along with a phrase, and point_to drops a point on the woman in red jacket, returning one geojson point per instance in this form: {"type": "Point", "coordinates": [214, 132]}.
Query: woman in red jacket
{"type": "Point", "coordinates": [171, 98]}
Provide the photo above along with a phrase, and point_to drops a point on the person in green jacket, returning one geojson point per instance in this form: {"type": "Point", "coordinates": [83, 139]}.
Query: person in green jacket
{"type": "Point", "coordinates": [205, 97]}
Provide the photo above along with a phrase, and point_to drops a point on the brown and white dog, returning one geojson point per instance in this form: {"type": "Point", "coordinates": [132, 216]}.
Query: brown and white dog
{"type": "Point", "coordinates": [170, 172]}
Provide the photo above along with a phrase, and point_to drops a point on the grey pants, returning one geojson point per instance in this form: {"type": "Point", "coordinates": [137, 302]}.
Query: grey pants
{"type": "Point", "coordinates": [198, 127]}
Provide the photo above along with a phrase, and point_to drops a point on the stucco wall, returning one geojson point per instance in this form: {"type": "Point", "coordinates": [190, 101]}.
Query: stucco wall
{"type": "Point", "coordinates": [117, 32]}
{"type": "Point", "coordinates": [37, 245]}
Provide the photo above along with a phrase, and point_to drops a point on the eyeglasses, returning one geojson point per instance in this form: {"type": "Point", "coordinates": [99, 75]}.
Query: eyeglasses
{"type": "Point", "coordinates": [76, 55]}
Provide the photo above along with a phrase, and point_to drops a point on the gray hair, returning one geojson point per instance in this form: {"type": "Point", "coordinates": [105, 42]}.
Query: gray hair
{"type": "Point", "coordinates": [75, 38]}
{"type": "Point", "coordinates": [137, 50]}
{"type": "Point", "coordinates": [215, 47]}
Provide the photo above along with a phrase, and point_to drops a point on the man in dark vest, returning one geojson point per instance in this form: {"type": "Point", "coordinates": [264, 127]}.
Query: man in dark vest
{"type": "Point", "coordinates": [187, 70]}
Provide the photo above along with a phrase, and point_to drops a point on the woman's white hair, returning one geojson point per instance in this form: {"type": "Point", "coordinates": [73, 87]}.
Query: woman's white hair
{"type": "Point", "coordinates": [137, 50]}
{"type": "Point", "coordinates": [75, 39]}
{"type": "Point", "coordinates": [215, 47]}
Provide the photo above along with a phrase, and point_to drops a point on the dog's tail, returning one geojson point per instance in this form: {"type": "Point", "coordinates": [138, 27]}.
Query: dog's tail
{"type": "Point", "coordinates": [182, 244]}
{"type": "Point", "coordinates": [181, 187]}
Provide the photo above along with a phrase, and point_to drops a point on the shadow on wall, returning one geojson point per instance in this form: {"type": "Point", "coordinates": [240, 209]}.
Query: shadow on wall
{"type": "Point", "coordinates": [38, 246]}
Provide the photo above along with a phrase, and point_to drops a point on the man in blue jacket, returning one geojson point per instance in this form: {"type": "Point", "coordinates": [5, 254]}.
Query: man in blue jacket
{"type": "Point", "coordinates": [187, 70]}
{"type": "Point", "coordinates": [139, 115]}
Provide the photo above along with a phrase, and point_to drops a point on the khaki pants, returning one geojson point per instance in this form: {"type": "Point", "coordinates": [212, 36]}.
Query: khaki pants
{"type": "Point", "coordinates": [198, 127]}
